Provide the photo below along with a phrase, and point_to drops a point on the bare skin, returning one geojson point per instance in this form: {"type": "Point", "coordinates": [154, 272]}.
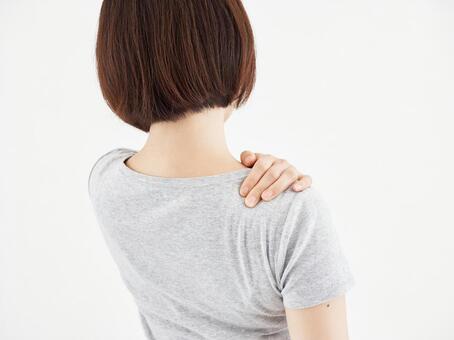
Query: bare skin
{"type": "Point", "coordinates": [269, 177]}
{"type": "Point", "coordinates": [196, 146]}
{"type": "Point", "coordinates": [327, 321]}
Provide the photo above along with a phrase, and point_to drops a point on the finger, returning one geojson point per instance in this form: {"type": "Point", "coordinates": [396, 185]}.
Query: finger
{"type": "Point", "coordinates": [248, 158]}
{"type": "Point", "coordinates": [304, 182]}
{"type": "Point", "coordinates": [263, 163]}
{"type": "Point", "coordinates": [287, 178]}
{"type": "Point", "coordinates": [273, 174]}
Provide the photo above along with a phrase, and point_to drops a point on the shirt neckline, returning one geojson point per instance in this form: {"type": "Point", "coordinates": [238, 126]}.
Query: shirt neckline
{"type": "Point", "coordinates": [178, 181]}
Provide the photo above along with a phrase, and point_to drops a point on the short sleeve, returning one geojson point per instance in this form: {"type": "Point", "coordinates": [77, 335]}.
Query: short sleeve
{"type": "Point", "coordinates": [313, 268]}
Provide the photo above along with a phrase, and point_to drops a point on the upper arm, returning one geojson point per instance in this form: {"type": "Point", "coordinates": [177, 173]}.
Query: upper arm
{"type": "Point", "coordinates": [312, 267]}
{"type": "Point", "coordinates": [327, 321]}
{"type": "Point", "coordinates": [313, 272]}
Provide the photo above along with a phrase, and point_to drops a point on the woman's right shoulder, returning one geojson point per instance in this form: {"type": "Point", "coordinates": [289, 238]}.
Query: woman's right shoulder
{"type": "Point", "coordinates": [104, 163]}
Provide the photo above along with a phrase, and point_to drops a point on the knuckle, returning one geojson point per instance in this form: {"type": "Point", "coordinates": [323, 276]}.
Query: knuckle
{"type": "Point", "coordinates": [292, 174]}
{"type": "Point", "coordinates": [268, 194]}
{"type": "Point", "coordinates": [293, 170]}
{"type": "Point", "coordinates": [267, 158]}
{"type": "Point", "coordinates": [253, 194]}
{"type": "Point", "coordinates": [246, 184]}
{"type": "Point", "coordinates": [249, 182]}
{"type": "Point", "coordinates": [282, 162]}
{"type": "Point", "coordinates": [262, 165]}
{"type": "Point", "coordinates": [274, 173]}
{"type": "Point", "coordinates": [254, 191]}
{"type": "Point", "coordinates": [306, 181]}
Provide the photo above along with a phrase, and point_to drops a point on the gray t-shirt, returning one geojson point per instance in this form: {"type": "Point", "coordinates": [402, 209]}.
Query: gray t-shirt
{"type": "Point", "coordinates": [201, 265]}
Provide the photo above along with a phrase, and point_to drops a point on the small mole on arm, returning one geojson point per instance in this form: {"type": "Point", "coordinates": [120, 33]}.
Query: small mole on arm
{"type": "Point", "coordinates": [327, 305]}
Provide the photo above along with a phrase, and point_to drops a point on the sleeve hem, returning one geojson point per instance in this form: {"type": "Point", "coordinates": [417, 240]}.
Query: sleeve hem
{"type": "Point", "coordinates": [340, 290]}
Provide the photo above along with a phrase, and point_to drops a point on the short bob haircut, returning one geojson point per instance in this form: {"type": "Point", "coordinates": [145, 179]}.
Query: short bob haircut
{"type": "Point", "coordinates": [160, 60]}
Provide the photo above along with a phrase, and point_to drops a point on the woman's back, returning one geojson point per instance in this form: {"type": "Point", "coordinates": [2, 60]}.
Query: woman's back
{"type": "Point", "coordinates": [201, 265]}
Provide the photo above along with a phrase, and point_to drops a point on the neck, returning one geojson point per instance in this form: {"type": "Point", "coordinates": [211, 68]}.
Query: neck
{"type": "Point", "coordinates": [192, 146]}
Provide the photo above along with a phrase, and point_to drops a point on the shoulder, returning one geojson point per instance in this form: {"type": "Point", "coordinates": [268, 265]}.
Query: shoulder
{"type": "Point", "coordinates": [109, 157]}
{"type": "Point", "coordinates": [311, 266]}
{"type": "Point", "coordinates": [307, 204]}
{"type": "Point", "coordinates": [293, 216]}
{"type": "Point", "coordinates": [105, 163]}
{"type": "Point", "coordinates": [311, 200]}
{"type": "Point", "coordinates": [298, 217]}
{"type": "Point", "coordinates": [311, 205]}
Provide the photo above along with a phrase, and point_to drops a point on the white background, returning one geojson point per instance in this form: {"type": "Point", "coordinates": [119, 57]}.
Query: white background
{"type": "Point", "coordinates": [359, 94]}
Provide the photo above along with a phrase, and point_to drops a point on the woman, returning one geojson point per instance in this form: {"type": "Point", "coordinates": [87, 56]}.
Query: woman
{"type": "Point", "coordinates": [200, 264]}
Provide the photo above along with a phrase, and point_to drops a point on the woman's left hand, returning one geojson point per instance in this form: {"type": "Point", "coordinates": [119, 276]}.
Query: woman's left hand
{"type": "Point", "coordinates": [269, 177]}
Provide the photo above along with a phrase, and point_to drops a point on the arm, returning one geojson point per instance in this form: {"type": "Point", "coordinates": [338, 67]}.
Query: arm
{"type": "Point", "coordinates": [314, 274]}
{"type": "Point", "coordinates": [269, 177]}
{"type": "Point", "coordinates": [326, 321]}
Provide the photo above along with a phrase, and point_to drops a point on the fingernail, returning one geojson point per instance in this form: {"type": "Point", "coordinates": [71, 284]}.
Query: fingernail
{"type": "Point", "coordinates": [250, 201]}
{"type": "Point", "coordinates": [244, 191]}
{"type": "Point", "coordinates": [298, 187]}
{"type": "Point", "coordinates": [248, 159]}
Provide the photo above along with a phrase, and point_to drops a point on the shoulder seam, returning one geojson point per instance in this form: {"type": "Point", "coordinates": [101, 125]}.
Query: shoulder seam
{"type": "Point", "coordinates": [96, 163]}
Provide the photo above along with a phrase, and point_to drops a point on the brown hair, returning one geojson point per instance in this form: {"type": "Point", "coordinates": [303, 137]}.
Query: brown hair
{"type": "Point", "coordinates": [159, 60]}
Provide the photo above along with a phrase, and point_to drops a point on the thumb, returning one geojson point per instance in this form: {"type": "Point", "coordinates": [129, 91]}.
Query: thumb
{"type": "Point", "coordinates": [248, 158]}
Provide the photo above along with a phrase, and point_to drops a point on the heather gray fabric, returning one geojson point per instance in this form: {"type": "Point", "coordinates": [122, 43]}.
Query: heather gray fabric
{"type": "Point", "coordinates": [201, 265]}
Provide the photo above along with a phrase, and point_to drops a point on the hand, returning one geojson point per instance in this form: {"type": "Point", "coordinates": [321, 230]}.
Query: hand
{"type": "Point", "coordinates": [269, 177]}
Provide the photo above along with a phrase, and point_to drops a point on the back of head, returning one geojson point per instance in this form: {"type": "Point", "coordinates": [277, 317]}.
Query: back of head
{"type": "Point", "coordinates": [160, 60]}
